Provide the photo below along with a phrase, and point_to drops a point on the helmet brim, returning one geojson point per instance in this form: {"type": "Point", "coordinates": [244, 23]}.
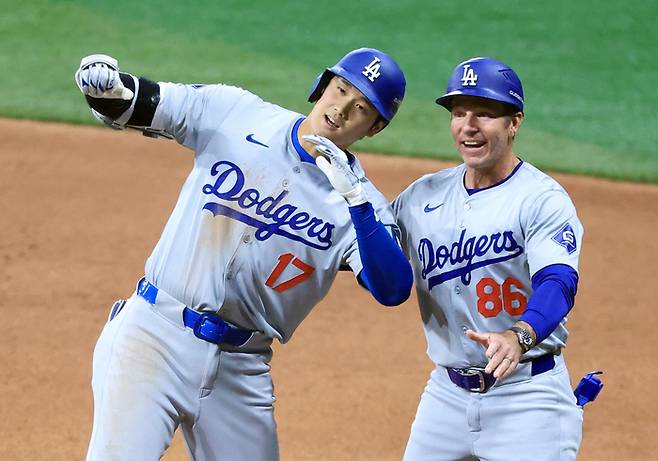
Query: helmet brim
{"type": "Point", "coordinates": [446, 99]}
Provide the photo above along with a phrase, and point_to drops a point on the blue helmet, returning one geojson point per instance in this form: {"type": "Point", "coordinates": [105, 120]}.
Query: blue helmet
{"type": "Point", "coordinates": [486, 78]}
{"type": "Point", "coordinates": [373, 73]}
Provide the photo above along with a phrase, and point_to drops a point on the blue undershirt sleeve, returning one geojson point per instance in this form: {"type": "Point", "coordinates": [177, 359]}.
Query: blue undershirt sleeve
{"type": "Point", "coordinates": [386, 272]}
{"type": "Point", "coordinates": [554, 289]}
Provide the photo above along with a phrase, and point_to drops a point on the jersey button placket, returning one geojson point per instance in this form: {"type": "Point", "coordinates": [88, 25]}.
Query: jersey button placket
{"type": "Point", "coordinates": [467, 207]}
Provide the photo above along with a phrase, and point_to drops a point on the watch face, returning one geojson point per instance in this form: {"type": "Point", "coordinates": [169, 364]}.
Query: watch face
{"type": "Point", "coordinates": [524, 337]}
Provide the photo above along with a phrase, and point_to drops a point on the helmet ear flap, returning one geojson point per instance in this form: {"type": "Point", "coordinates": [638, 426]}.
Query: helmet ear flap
{"type": "Point", "coordinates": [320, 85]}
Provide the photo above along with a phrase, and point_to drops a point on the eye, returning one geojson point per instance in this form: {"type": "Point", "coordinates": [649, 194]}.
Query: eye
{"type": "Point", "coordinates": [359, 107]}
{"type": "Point", "coordinates": [486, 113]}
{"type": "Point", "coordinates": [341, 90]}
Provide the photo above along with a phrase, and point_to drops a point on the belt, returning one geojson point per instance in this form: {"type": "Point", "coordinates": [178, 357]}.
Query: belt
{"type": "Point", "coordinates": [476, 380]}
{"type": "Point", "coordinates": [207, 326]}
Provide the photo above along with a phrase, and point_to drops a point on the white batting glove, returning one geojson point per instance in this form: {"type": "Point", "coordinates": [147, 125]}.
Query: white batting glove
{"type": "Point", "coordinates": [334, 164]}
{"type": "Point", "coordinates": [98, 77]}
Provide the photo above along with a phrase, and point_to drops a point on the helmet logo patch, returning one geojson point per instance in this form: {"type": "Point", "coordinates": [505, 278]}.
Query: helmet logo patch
{"type": "Point", "coordinates": [516, 95]}
{"type": "Point", "coordinates": [372, 70]}
{"type": "Point", "coordinates": [469, 77]}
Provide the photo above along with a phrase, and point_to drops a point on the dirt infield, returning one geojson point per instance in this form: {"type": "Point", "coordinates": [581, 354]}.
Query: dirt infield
{"type": "Point", "coordinates": [81, 209]}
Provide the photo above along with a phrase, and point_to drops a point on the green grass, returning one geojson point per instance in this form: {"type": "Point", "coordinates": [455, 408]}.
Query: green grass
{"type": "Point", "coordinates": [589, 68]}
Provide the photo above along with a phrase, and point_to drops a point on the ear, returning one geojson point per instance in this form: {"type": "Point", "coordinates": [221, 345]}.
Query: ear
{"type": "Point", "coordinates": [517, 119]}
{"type": "Point", "coordinates": [378, 126]}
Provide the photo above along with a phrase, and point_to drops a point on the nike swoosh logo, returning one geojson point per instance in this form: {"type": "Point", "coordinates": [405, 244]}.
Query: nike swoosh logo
{"type": "Point", "coordinates": [250, 138]}
{"type": "Point", "coordinates": [428, 208]}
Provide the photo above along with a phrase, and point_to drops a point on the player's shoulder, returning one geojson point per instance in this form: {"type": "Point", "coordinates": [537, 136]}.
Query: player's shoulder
{"type": "Point", "coordinates": [536, 181]}
{"type": "Point", "coordinates": [248, 107]}
{"type": "Point", "coordinates": [228, 95]}
{"type": "Point", "coordinates": [542, 194]}
{"type": "Point", "coordinates": [437, 185]}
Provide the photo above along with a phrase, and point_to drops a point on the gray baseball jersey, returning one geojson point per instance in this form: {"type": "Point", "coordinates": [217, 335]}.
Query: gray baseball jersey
{"type": "Point", "coordinates": [258, 231]}
{"type": "Point", "coordinates": [474, 255]}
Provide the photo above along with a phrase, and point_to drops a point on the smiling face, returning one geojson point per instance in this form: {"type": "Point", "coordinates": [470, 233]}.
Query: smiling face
{"type": "Point", "coordinates": [484, 131]}
{"type": "Point", "coordinates": [342, 114]}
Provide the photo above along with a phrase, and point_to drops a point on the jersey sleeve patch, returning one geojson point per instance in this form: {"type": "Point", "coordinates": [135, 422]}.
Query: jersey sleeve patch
{"type": "Point", "coordinates": [566, 237]}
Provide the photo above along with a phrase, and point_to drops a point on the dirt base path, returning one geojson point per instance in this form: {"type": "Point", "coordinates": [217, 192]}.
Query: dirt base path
{"type": "Point", "coordinates": [81, 209]}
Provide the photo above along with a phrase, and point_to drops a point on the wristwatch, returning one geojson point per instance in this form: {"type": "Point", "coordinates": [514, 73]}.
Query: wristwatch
{"type": "Point", "coordinates": [524, 337]}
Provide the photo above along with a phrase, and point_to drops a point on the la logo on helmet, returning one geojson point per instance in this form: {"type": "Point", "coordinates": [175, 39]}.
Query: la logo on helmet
{"type": "Point", "coordinates": [469, 77]}
{"type": "Point", "coordinates": [372, 70]}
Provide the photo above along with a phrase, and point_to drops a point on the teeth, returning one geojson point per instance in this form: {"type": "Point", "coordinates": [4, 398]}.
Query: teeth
{"type": "Point", "coordinates": [471, 143]}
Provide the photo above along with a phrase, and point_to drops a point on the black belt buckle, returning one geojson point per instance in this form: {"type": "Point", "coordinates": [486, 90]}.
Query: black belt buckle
{"type": "Point", "coordinates": [470, 372]}
{"type": "Point", "coordinates": [210, 327]}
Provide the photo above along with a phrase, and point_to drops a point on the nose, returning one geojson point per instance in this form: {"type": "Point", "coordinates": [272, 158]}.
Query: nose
{"type": "Point", "coordinates": [343, 108]}
{"type": "Point", "coordinates": [470, 122]}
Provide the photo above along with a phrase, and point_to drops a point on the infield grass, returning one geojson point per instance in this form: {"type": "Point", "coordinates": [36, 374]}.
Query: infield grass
{"type": "Point", "coordinates": [589, 68]}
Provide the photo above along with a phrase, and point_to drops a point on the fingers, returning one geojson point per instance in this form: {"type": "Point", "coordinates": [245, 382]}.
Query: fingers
{"type": "Point", "coordinates": [319, 143]}
{"type": "Point", "coordinates": [325, 146]}
{"type": "Point", "coordinates": [506, 368]}
{"type": "Point", "coordinates": [502, 363]}
{"type": "Point", "coordinates": [504, 355]}
{"type": "Point", "coordinates": [100, 81]}
{"type": "Point", "coordinates": [94, 80]}
{"type": "Point", "coordinates": [502, 351]}
{"type": "Point", "coordinates": [313, 139]}
{"type": "Point", "coordinates": [324, 165]}
{"type": "Point", "coordinates": [481, 338]}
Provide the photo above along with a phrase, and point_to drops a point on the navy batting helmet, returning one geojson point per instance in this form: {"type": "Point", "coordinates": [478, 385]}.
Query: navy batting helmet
{"type": "Point", "coordinates": [373, 73]}
{"type": "Point", "coordinates": [486, 78]}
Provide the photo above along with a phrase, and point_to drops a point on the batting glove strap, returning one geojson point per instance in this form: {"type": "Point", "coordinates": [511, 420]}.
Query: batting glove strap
{"type": "Point", "coordinates": [356, 196]}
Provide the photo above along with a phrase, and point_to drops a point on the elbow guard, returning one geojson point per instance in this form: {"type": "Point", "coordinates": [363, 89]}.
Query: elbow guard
{"type": "Point", "coordinates": [136, 113]}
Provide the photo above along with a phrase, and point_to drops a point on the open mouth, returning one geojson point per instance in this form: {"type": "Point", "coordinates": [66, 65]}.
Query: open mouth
{"type": "Point", "coordinates": [331, 122]}
{"type": "Point", "coordinates": [473, 144]}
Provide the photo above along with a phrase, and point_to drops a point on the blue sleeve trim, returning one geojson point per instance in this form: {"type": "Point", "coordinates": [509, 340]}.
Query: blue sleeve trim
{"type": "Point", "coordinates": [553, 292]}
{"type": "Point", "coordinates": [303, 155]}
{"type": "Point", "coordinates": [386, 272]}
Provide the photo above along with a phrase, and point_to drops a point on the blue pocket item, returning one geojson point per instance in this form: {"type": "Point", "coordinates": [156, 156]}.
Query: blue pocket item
{"type": "Point", "coordinates": [588, 388]}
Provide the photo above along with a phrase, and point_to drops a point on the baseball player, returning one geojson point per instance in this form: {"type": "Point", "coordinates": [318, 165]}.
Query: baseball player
{"type": "Point", "coordinates": [273, 208]}
{"type": "Point", "coordinates": [494, 244]}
